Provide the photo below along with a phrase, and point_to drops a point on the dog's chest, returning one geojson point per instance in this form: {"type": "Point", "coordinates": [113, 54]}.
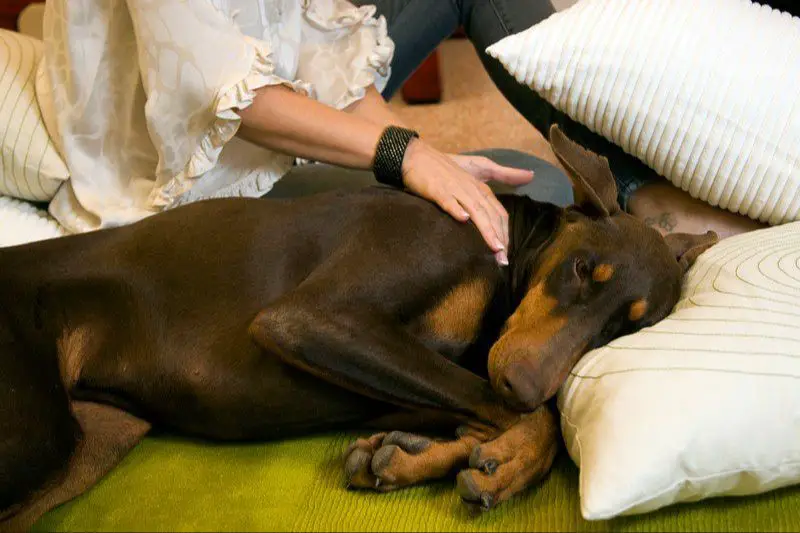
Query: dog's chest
{"type": "Point", "coordinates": [455, 319]}
{"type": "Point", "coordinates": [75, 346]}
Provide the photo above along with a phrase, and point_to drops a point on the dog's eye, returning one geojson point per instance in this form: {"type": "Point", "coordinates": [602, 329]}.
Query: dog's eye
{"type": "Point", "coordinates": [582, 269]}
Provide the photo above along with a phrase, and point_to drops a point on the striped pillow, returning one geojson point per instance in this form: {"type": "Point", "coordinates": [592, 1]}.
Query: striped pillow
{"type": "Point", "coordinates": [703, 92]}
{"type": "Point", "coordinates": [30, 166]}
{"type": "Point", "coordinates": [706, 402]}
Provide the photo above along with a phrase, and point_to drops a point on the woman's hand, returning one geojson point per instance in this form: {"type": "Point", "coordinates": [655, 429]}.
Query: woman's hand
{"type": "Point", "coordinates": [457, 184]}
{"type": "Point", "coordinates": [291, 123]}
{"type": "Point", "coordinates": [485, 170]}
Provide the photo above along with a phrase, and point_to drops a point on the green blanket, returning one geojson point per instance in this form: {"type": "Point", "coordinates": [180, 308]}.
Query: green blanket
{"type": "Point", "coordinates": [297, 485]}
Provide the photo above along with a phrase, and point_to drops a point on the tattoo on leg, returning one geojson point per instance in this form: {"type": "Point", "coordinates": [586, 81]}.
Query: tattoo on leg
{"type": "Point", "coordinates": [665, 221]}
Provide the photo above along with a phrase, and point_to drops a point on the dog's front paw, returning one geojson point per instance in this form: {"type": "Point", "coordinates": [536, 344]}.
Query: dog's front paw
{"type": "Point", "coordinates": [499, 469]}
{"type": "Point", "coordinates": [388, 462]}
{"type": "Point", "coordinates": [358, 459]}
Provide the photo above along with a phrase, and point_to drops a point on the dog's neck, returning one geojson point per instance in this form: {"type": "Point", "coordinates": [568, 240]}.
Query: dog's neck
{"type": "Point", "coordinates": [532, 227]}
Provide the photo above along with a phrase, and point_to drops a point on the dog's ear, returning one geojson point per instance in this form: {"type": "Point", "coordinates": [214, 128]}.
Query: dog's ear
{"type": "Point", "coordinates": [687, 247]}
{"type": "Point", "coordinates": [593, 183]}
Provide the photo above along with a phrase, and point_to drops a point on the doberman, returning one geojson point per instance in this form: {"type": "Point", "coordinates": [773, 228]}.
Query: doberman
{"type": "Point", "coordinates": [249, 319]}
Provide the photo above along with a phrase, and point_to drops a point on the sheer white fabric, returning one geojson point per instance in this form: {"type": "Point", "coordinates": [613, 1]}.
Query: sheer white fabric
{"type": "Point", "coordinates": [139, 95]}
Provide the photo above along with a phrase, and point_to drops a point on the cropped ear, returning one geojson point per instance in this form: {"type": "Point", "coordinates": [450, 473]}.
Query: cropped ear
{"type": "Point", "coordinates": [687, 247]}
{"type": "Point", "coordinates": [593, 183]}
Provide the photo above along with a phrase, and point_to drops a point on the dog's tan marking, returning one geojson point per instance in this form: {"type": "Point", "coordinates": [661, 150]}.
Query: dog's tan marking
{"type": "Point", "coordinates": [637, 310]}
{"type": "Point", "coordinates": [535, 309]}
{"type": "Point", "coordinates": [603, 273]}
{"type": "Point", "coordinates": [532, 325]}
{"type": "Point", "coordinates": [72, 346]}
{"type": "Point", "coordinates": [457, 316]}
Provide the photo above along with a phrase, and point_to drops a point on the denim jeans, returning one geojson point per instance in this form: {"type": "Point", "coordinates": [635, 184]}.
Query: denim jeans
{"type": "Point", "coordinates": [550, 184]}
{"type": "Point", "coordinates": [418, 26]}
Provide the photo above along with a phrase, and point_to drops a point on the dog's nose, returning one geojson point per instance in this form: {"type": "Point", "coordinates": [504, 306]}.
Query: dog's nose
{"type": "Point", "coordinates": [519, 388]}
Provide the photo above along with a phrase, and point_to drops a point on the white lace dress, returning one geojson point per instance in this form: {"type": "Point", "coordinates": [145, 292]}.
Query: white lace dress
{"type": "Point", "coordinates": [138, 95]}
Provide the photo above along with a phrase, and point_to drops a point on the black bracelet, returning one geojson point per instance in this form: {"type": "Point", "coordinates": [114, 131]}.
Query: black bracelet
{"type": "Point", "coordinates": [388, 163]}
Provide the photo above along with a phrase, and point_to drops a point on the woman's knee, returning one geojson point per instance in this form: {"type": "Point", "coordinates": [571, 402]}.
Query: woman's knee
{"type": "Point", "coordinates": [488, 21]}
{"type": "Point", "coordinates": [549, 183]}
{"type": "Point", "coordinates": [318, 178]}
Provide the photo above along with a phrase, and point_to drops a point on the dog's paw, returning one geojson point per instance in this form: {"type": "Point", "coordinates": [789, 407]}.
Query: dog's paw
{"type": "Point", "coordinates": [501, 468]}
{"type": "Point", "coordinates": [492, 478]}
{"type": "Point", "coordinates": [389, 462]}
{"type": "Point", "coordinates": [357, 459]}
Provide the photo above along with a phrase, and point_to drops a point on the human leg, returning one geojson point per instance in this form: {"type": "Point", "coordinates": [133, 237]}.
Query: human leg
{"type": "Point", "coordinates": [548, 185]}
{"type": "Point", "coordinates": [418, 26]}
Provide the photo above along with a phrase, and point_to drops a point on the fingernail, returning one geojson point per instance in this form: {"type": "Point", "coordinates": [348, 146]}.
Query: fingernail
{"type": "Point", "coordinates": [465, 215]}
{"type": "Point", "coordinates": [499, 246]}
{"type": "Point", "coordinates": [502, 258]}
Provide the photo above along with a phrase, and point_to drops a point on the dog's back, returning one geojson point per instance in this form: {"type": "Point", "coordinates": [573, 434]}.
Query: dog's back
{"type": "Point", "coordinates": [216, 252]}
{"type": "Point", "coordinates": [190, 279]}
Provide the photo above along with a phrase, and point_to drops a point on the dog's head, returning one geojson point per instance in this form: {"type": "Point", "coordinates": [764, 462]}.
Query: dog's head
{"type": "Point", "coordinates": [603, 274]}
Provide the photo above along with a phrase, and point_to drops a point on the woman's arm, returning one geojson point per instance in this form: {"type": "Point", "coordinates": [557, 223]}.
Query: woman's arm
{"type": "Point", "coordinates": [290, 123]}
{"type": "Point", "coordinates": [375, 109]}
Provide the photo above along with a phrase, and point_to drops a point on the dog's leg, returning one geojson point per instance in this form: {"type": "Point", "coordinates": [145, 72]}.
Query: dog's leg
{"type": "Point", "coordinates": [365, 355]}
{"type": "Point", "coordinates": [391, 461]}
{"type": "Point", "coordinates": [515, 460]}
{"type": "Point", "coordinates": [38, 434]}
{"type": "Point", "coordinates": [107, 435]}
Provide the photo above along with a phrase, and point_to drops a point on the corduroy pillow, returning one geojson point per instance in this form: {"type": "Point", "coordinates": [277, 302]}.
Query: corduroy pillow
{"type": "Point", "coordinates": [703, 92]}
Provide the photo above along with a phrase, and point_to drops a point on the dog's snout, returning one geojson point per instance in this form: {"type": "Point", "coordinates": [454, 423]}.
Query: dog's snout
{"type": "Point", "coordinates": [518, 386]}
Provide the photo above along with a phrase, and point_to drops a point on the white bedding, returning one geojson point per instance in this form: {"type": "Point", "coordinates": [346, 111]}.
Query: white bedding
{"type": "Point", "coordinates": [22, 222]}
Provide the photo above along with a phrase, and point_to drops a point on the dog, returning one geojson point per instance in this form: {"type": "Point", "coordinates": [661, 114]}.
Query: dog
{"type": "Point", "coordinates": [255, 319]}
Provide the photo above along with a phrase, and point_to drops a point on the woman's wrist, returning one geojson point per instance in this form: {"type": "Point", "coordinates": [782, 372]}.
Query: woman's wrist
{"type": "Point", "coordinates": [391, 153]}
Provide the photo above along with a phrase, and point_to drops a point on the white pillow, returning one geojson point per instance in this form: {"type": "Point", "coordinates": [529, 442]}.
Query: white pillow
{"type": "Point", "coordinates": [706, 402]}
{"type": "Point", "coordinates": [22, 222]}
{"type": "Point", "coordinates": [30, 166]}
{"type": "Point", "coordinates": [703, 92]}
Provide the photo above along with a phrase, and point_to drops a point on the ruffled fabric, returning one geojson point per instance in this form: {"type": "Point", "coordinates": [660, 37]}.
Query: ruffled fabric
{"type": "Point", "coordinates": [357, 44]}
{"type": "Point", "coordinates": [223, 128]}
{"type": "Point", "coordinates": [144, 94]}
{"type": "Point", "coordinates": [339, 32]}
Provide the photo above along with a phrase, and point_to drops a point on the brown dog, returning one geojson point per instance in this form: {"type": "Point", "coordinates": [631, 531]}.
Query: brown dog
{"type": "Point", "coordinates": [257, 319]}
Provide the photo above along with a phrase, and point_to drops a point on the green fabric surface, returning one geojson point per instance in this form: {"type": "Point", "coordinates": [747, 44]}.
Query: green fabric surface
{"type": "Point", "coordinates": [297, 485]}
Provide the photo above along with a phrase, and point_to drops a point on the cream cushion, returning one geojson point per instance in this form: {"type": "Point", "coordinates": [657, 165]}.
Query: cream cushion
{"type": "Point", "coordinates": [30, 166]}
{"type": "Point", "coordinates": [703, 92]}
{"type": "Point", "coordinates": [706, 402]}
{"type": "Point", "coordinates": [23, 222]}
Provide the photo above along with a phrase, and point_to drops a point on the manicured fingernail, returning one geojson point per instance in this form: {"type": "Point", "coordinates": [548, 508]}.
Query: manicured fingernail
{"type": "Point", "coordinates": [502, 258]}
{"type": "Point", "coordinates": [465, 215]}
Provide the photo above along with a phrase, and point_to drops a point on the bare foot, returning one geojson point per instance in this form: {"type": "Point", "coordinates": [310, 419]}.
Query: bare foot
{"type": "Point", "coordinates": [668, 209]}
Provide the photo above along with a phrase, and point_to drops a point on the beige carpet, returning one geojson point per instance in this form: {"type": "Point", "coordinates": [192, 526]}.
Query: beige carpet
{"type": "Point", "coordinates": [472, 114]}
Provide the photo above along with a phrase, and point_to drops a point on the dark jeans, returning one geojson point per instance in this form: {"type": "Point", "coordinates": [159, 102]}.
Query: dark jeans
{"type": "Point", "coordinates": [550, 184]}
{"type": "Point", "coordinates": [418, 26]}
